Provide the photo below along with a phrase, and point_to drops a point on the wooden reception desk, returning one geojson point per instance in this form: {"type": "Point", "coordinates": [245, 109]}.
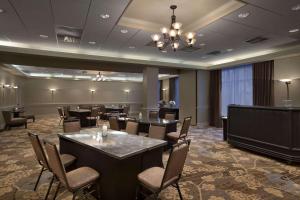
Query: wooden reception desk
{"type": "Point", "coordinates": [274, 131]}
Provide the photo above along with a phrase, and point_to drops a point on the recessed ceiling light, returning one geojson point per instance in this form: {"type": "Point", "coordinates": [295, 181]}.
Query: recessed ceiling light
{"type": "Point", "coordinates": [296, 8]}
{"type": "Point", "coordinates": [229, 50]}
{"type": "Point", "coordinates": [2, 10]}
{"type": "Point", "coordinates": [164, 51]}
{"type": "Point", "coordinates": [92, 42]}
{"type": "Point", "coordinates": [243, 15]}
{"type": "Point", "coordinates": [104, 16]}
{"type": "Point", "coordinates": [202, 44]}
{"type": "Point", "coordinates": [294, 30]}
{"type": "Point", "coordinates": [200, 34]}
{"type": "Point", "coordinates": [44, 36]}
{"type": "Point", "coordinates": [131, 47]}
{"type": "Point", "coordinates": [124, 31]}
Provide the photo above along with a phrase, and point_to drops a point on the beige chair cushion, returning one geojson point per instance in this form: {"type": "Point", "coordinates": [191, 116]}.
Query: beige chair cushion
{"type": "Point", "coordinates": [173, 136]}
{"type": "Point", "coordinates": [152, 178]}
{"type": "Point", "coordinates": [67, 159]}
{"type": "Point", "coordinates": [81, 177]}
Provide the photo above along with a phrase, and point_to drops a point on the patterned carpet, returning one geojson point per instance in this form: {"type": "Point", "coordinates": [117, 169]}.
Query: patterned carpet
{"type": "Point", "coordinates": [213, 171]}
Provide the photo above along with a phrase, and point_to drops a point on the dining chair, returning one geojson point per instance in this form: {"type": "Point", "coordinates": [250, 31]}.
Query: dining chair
{"type": "Point", "coordinates": [126, 110]}
{"type": "Point", "coordinates": [41, 157]}
{"type": "Point", "coordinates": [61, 114]}
{"type": "Point", "coordinates": [94, 116]}
{"type": "Point", "coordinates": [156, 179]}
{"type": "Point", "coordinates": [74, 181]}
{"type": "Point", "coordinates": [10, 121]}
{"type": "Point", "coordinates": [71, 126]}
{"type": "Point", "coordinates": [132, 127]}
{"type": "Point", "coordinates": [170, 116]}
{"type": "Point", "coordinates": [175, 136]}
{"type": "Point", "coordinates": [113, 123]}
{"type": "Point", "coordinates": [153, 114]}
{"type": "Point", "coordinates": [157, 132]}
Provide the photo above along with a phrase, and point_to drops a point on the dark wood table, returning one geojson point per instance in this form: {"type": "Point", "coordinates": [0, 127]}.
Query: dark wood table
{"type": "Point", "coordinates": [118, 157]}
{"type": "Point", "coordinates": [82, 114]}
{"type": "Point", "coordinates": [114, 109]}
{"type": "Point", "coordinates": [144, 124]}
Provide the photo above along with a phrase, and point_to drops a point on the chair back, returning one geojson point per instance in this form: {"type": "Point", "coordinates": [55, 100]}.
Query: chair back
{"type": "Point", "coordinates": [102, 109]}
{"type": "Point", "coordinates": [60, 112]}
{"type": "Point", "coordinates": [126, 110]}
{"type": "Point", "coordinates": [153, 114]}
{"type": "Point", "coordinates": [157, 132]}
{"type": "Point", "coordinates": [55, 163]}
{"type": "Point", "coordinates": [38, 150]}
{"type": "Point", "coordinates": [71, 126]}
{"type": "Point", "coordinates": [66, 111]}
{"type": "Point", "coordinates": [6, 116]}
{"type": "Point", "coordinates": [132, 127]}
{"type": "Point", "coordinates": [175, 163]}
{"type": "Point", "coordinates": [113, 123]}
{"type": "Point", "coordinates": [170, 116]}
{"type": "Point", "coordinates": [185, 127]}
{"type": "Point", "coordinates": [95, 112]}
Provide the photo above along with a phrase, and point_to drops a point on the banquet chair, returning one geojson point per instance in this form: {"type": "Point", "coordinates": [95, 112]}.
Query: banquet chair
{"type": "Point", "coordinates": [175, 136]}
{"type": "Point", "coordinates": [10, 121]}
{"type": "Point", "coordinates": [41, 157]}
{"type": "Point", "coordinates": [74, 181]}
{"type": "Point", "coordinates": [153, 114]}
{"type": "Point", "coordinates": [157, 132]}
{"type": "Point", "coordinates": [94, 116]}
{"type": "Point", "coordinates": [156, 179]}
{"type": "Point", "coordinates": [71, 126]}
{"type": "Point", "coordinates": [132, 127]}
{"type": "Point", "coordinates": [61, 114]}
{"type": "Point", "coordinates": [113, 123]}
{"type": "Point", "coordinates": [170, 116]}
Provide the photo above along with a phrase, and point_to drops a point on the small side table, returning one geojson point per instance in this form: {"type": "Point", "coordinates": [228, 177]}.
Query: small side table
{"type": "Point", "coordinates": [224, 120]}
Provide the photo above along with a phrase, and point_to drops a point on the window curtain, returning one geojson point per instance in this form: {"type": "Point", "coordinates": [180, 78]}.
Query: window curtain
{"type": "Point", "coordinates": [214, 98]}
{"type": "Point", "coordinates": [237, 87]}
{"type": "Point", "coordinates": [263, 83]}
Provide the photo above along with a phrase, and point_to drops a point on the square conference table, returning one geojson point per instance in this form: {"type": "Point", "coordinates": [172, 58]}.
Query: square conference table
{"type": "Point", "coordinates": [82, 115]}
{"type": "Point", "coordinates": [118, 157]}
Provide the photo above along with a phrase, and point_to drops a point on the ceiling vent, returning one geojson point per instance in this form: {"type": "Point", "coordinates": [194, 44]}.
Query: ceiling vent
{"type": "Point", "coordinates": [257, 40]}
{"type": "Point", "coordinates": [189, 49]}
{"type": "Point", "coordinates": [68, 34]}
{"type": "Point", "coordinates": [214, 53]}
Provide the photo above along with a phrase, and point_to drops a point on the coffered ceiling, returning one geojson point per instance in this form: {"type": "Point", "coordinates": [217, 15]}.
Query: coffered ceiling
{"type": "Point", "coordinates": [35, 27]}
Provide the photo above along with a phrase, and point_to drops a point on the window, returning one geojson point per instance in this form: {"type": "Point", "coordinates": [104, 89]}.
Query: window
{"type": "Point", "coordinates": [237, 87]}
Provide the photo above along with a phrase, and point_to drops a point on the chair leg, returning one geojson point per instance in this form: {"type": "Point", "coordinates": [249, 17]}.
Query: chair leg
{"type": "Point", "coordinates": [98, 190]}
{"type": "Point", "coordinates": [56, 192]}
{"type": "Point", "coordinates": [74, 195]}
{"type": "Point", "coordinates": [26, 125]}
{"type": "Point", "coordinates": [59, 121]}
{"type": "Point", "coordinates": [38, 180]}
{"type": "Point", "coordinates": [179, 192]}
{"type": "Point", "coordinates": [49, 188]}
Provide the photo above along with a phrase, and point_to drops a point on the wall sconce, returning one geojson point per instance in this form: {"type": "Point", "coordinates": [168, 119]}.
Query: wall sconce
{"type": "Point", "coordinates": [52, 90]}
{"type": "Point", "coordinates": [126, 90]}
{"type": "Point", "coordinates": [92, 90]}
{"type": "Point", "coordinates": [15, 87]}
{"type": "Point", "coordinates": [6, 86]}
{"type": "Point", "coordinates": [287, 82]}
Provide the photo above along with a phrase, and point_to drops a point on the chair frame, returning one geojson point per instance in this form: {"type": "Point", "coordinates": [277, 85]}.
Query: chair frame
{"type": "Point", "coordinates": [74, 192]}
{"type": "Point", "coordinates": [8, 125]}
{"type": "Point", "coordinates": [174, 183]}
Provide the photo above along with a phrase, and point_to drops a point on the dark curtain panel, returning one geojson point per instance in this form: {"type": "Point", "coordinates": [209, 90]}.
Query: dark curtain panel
{"type": "Point", "coordinates": [263, 83]}
{"type": "Point", "coordinates": [214, 98]}
{"type": "Point", "coordinates": [161, 94]}
{"type": "Point", "coordinates": [172, 89]}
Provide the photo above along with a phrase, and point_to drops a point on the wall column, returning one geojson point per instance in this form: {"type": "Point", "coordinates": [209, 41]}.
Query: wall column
{"type": "Point", "coordinates": [150, 90]}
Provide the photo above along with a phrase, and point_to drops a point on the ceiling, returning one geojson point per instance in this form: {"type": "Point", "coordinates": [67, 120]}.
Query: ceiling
{"type": "Point", "coordinates": [34, 26]}
{"type": "Point", "coordinates": [72, 74]}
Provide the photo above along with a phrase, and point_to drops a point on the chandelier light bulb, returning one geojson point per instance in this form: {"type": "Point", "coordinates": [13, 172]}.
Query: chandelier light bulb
{"type": "Point", "coordinates": [190, 35]}
{"type": "Point", "coordinates": [176, 45]}
{"type": "Point", "coordinates": [155, 37]}
{"type": "Point", "coordinates": [172, 33]}
{"type": "Point", "coordinates": [160, 44]}
{"type": "Point", "coordinates": [164, 30]}
{"type": "Point", "coordinates": [177, 25]}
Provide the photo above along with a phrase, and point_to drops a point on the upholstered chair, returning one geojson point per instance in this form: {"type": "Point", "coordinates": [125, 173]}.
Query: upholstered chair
{"type": "Point", "coordinates": [113, 123]}
{"type": "Point", "coordinates": [61, 114]}
{"type": "Point", "coordinates": [156, 179]}
{"type": "Point", "coordinates": [71, 126]}
{"type": "Point", "coordinates": [132, 127]}
{"type": "Point", "coordinates": [11, 122]}
{"type": "Point", "coordinates": [175, 136]}
{"type": "Point", "coordinates": [74, 181]}
{"type": "Point", "coordinates": [153, 114]}
{"type": "Point", "coordinates": [94, 116]}
{"type": "Point", "coordinates": [41, 157]}
{"type": "Point", "coordinates": [157, 132]}
{"type": "Point", "coordinates": [170, 116]}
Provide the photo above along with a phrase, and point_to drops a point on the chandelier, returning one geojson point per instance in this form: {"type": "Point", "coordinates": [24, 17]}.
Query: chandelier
{"type": "Point", "coordinates": [99, 77]}
{"type": "Point", "coordinates": [172, 36]}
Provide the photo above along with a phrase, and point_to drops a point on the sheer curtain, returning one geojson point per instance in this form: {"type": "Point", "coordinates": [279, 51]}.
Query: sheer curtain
{"type": "Point", "coordinates": [237, 87]}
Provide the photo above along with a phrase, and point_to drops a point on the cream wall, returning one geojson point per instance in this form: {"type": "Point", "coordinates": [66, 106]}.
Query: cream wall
{"type": "Point", "coordinates": [38, 99]}
{"type": "Point", "coordinates": [187, 95]}
{"type": "Point", "coordinates": [287, 68]}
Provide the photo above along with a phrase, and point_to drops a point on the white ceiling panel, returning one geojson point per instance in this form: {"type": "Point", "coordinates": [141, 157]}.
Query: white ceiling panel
{"type": "Point", "coordinates": [71, 13]}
